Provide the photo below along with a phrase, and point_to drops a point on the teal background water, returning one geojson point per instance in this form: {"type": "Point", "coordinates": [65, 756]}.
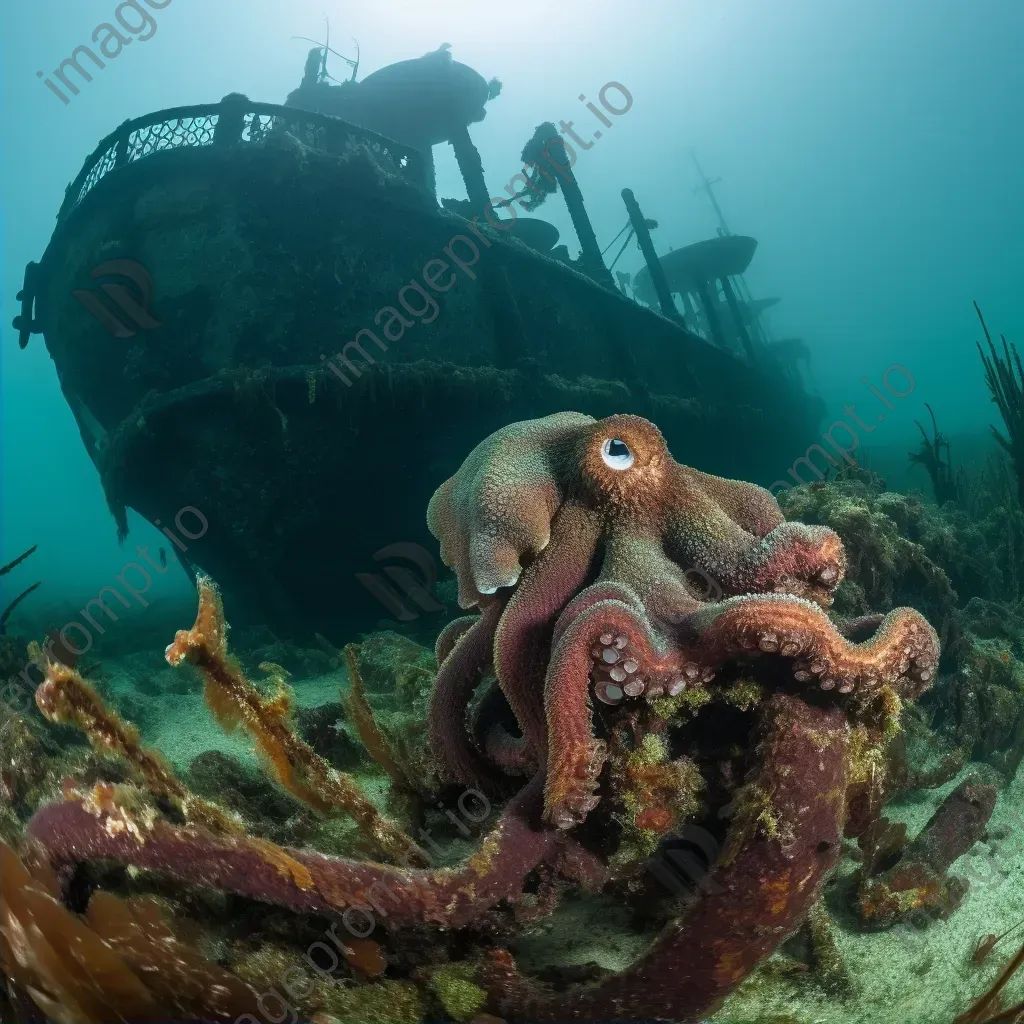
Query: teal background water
{"type": "Point", "coordinates": [873, 148]}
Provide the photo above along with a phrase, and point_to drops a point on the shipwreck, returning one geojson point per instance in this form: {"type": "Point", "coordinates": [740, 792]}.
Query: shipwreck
{"type": "Point", "coordinates": [247, 311]}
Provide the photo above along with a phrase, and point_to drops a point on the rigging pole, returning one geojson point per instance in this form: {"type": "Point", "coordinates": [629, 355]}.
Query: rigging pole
{"type": "Point", "coordinates": [707, 186]}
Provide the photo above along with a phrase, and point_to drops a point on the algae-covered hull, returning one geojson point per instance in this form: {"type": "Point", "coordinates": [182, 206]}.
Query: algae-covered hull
{"type": "Point", "coordinates": [199, 298]}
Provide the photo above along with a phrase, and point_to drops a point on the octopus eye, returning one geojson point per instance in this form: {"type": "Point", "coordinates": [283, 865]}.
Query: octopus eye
{"type": "Point", "coordinates": [616, 454]}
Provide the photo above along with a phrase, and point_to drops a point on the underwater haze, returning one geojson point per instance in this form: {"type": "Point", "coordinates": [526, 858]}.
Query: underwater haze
{"type": "Point", "coordinates": [870, 148]}
{"type": "Point", "coordinates": [583, 414]}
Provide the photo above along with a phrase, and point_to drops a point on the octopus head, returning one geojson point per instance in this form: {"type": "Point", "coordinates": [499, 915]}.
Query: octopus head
{"type": "Point", "coordinates": [623, 464]}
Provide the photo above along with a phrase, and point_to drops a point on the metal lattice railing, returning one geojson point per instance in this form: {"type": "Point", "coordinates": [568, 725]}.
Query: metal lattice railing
{"type": "Point", "coordinates": [234, 123]}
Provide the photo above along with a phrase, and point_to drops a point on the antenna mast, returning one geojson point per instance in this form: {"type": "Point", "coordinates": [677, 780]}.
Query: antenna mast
{"type": "Point", "coordinates": [707, 187]}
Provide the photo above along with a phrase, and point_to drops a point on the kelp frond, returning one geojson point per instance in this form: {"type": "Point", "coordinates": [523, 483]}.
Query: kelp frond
{"type": "Point", "coordinates": [268, 720]}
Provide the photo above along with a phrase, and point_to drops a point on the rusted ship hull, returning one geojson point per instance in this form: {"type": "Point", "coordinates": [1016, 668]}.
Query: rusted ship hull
{"type": "Point", "coordinates": [233, 388]}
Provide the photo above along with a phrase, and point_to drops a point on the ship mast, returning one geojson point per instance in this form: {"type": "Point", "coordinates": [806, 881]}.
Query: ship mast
{"type": "Point", "coordinates": [707, 186]}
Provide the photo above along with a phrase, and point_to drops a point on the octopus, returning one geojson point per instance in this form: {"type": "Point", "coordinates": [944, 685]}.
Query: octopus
{"type": "Point", "coordinates": [608, 584]}
{"type": "Point", "coordinates": [605, 573]}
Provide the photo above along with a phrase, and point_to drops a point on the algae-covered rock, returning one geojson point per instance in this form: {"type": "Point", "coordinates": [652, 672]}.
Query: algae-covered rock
{"type": "Point", "coordinates": [383, 1002]}
{"type": "Point", "coordinates": [960, 568]}
{"type": "Point", "coordinates": [899, 549]}
{"type": "Point", "coordinates": [323, 728]}
{"type": "Point", "coordinates": [456, 988]}
{"type": "Point", "coordinates": [241, 787]}
{"type": "Point", "coordinates": [393, 664]}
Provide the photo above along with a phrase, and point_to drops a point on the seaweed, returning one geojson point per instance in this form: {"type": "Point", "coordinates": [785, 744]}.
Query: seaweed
{"type": "Point", "coordinates": [297, 767]}
{"type": "Point", "coordinates": [1004, 376]}
{"type": "Point", "coordinates": [121, 961]}
{"type": "Point", "coordinates": [4, 570]}
{"type": "Point", "coordinates": [65, 698]}
{"type": "Point", "coordinates": [934, 456]}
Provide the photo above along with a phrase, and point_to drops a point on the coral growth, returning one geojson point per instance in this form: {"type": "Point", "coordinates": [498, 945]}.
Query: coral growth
{"type": "Point", "coordinates": [898, 548]}
{"type": "Point", "coordinates": [961, 565]}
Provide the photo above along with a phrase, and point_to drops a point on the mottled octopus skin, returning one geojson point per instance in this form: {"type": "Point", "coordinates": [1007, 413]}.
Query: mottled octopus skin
{"type": "Point", "coordinates": [636, 582]}
{"type": "Point", "coordinates": [70, 835]}
{"type": "Point", "coordinates": [463, 653]}
{"type": "Point", "coordinates": [761, 889]}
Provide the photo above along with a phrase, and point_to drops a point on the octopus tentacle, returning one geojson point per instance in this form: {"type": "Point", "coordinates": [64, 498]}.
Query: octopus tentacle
{"type": "Point", "coordinates": [610, 644]}
{"type": "Point", "coordinates": [749, 506]}
{"type": "Point", "coordinates": [860, 626]}
{"type": "Point", "coordinates": [450, 635]}
{"type": "Point", "coordinates": [602, 590]}
{"type": "Point", "coordinates": [904, 649]}
{"type": "Point", "coordinates": [524, 634]}
{"type": "Point", "coordinates": [506, 751]}
{"type": "Point", "coordinates": [793, 558]}
{"type": "Point", "coordinates": [307, 881]}
{"type": "Point", "coordinates": [771, 876]}
{"type": "Point", "coordinates": [457, 679]}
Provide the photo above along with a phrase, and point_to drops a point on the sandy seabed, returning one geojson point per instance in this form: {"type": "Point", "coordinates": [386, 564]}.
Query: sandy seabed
{"type": "Point", "coordinates": [906, 975]}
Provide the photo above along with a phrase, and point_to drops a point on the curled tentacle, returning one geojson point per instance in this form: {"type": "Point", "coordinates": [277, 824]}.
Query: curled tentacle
{"type": "Point", "coordinates": [766, 874]}
{"type": "Point", "coordinates": [602, 590]}
{"type": "Point", "coordinates": [904, 651]}
{"type": "Point", "coordinates": [508, 752]}
{"type": "Point", "coordinates": [604, 645]}
{"type": "Point", "coordinates": [861, 626]}
{"type": "Point", "coordinates": [807, 561]}
{"type": "Point", "coordinates": [457, 679]}
{"type": "Point", "coordinates": [702, 534]}
{"type": "Point", "coordinates": [450, 636]}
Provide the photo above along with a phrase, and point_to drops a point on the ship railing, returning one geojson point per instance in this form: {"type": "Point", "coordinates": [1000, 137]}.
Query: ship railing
{"type": "Point", "coordinates": [236, 122]}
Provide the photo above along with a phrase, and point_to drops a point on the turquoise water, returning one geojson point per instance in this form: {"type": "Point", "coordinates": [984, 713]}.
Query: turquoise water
{"type": "Point", "coordinates": [872, 149]}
